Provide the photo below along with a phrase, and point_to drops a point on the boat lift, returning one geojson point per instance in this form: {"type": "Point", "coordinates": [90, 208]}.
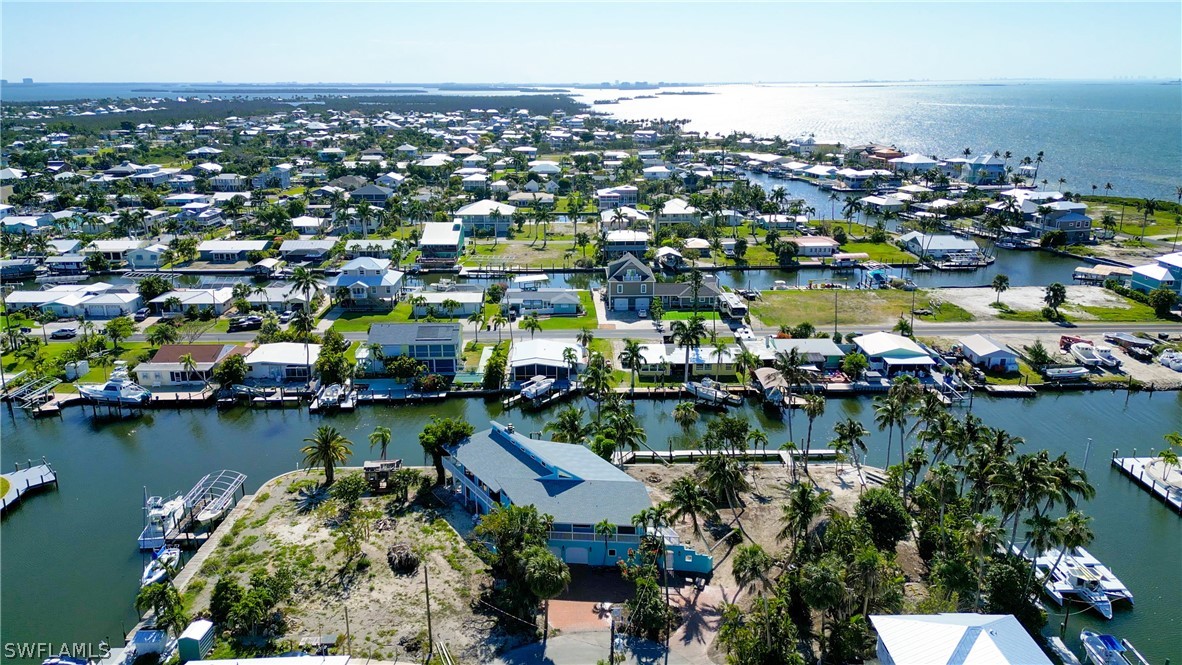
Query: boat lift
{"type": "Point", "coordinates": [212, 488]}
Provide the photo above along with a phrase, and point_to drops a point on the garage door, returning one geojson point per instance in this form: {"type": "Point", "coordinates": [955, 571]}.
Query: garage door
{"type": "Point", "coordinates": [620, 304]}
{"type": "Point", "coordinates": [643, 303]}
{"type": "Point", "coordinates": [577, 555]}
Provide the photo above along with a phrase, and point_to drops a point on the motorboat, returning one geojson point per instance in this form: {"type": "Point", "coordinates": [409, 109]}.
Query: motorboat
{"type": "Point", "coordinates": [331, 394]}
{"type": "Point", "coordinates": [1079, 575]}
{"type": "Point", "coordinates": [119, 389]}
{"type": "Point", "coordinates": [1104, 649]}
{"type": "Point", "coordinates": [163, 559]}
{"type": "Point", "coordinates": [1085, 353]}
{"type": "Point", "coordinates": [537, 387]}
{"type": "Point", "coordinates": [163, 515]}
{"type": "Point", "coordinates": [215, 508]}
{"type": "Point", "coordinates": [711, 391]}
{"type": "Point", "coordinates": [1107, 359]}
{"type": "Point", "coordinates": [1066, 373]}
{"type": "Point", "coordinates": [779, 285]}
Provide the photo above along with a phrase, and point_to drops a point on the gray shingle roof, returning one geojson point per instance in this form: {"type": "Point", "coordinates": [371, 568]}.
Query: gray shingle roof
{"type": "Point", "coordinates": [566, 481]}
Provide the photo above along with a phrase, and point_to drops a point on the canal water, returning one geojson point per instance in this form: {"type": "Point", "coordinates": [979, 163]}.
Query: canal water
{"type": "Point", "coordinates": [70, 567]}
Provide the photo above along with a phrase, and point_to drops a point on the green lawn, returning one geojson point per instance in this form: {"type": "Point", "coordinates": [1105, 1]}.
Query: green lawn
{"type": "Point", "coordinates": [360, 321]}
{"type": "Point", "coordinates": [687, 315]}
{"type": "Point", "coordinates": [885, 252]}
{"type": "Point", "coordinates": [1134, 312]}
{"type": "Point", "coordinates": [133, 352]}
{"type": "Point", "coordinates": [1025, 374]}
{"type": "Point", "coordinates": [587, 320]}
{"type": "Point", "coordinates": [791, 308]}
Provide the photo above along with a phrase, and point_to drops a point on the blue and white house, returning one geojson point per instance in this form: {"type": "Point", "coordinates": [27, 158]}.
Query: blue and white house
{"type": "Point", "coordinates": [1165, 272]}
{"type": "Point", "coordinates": [369, 281]}
{"type": "Point", "coordinates": [568, 482]}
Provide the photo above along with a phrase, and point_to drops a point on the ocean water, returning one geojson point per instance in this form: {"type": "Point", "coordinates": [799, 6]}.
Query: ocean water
{"type": "Point", "coordinates": [1128, 134]}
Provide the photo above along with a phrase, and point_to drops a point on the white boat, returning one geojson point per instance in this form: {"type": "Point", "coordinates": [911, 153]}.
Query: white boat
{"type": "Point", "coordinates": [1061, 373]}
{"type": "Point", "coordinates": [162, 560]}
{"type": "Point", "coordinates": [1085, 353]}
{"type": "Point", "coordinates": [1107, 359]}
{"type": "Point", "coordinates": [331, 395]}
{"type": "Point", "coordinates": [711, 391]}
{"type": "Point", "coordinates": [1108, 650]}
{"type": "Point", "coordinates": [215, 508]}
{"type": "Point", "coordinates": [163, 516]}
{"type": "Point", "coordinates": [1081, 576]}
{"type": "Point", "coordinates": [780, 285]}
{"type": "Point", "coordinates": [537, 387]}
{"type": "Point", "coordinates": [119, 389]}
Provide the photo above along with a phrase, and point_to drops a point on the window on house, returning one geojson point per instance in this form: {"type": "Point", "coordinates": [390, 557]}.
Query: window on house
{"type": "Point", "coordinates": [619, 288]}
{"type": "Point", "coordinates": [644, 288]}
{"type": "Point", "coordinates": [611, 552]}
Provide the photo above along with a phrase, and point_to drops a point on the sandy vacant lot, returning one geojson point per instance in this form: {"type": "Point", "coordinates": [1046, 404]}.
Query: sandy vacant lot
{"type": "Point", "coordinates": [386, 611]}
{"type": "Point", "coordinates": [1029, 298]}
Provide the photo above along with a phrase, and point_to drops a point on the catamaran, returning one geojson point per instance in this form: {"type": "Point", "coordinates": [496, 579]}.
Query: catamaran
{"type": "Point", "coordinates": [1108, 650]}
{"type": "Point", "coordinates": [1081, 576]}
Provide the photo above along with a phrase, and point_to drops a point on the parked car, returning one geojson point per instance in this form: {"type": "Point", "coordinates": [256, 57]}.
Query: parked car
{"type": "Point", "coordinates": [643, 313]}
{"type": "Point", "coordinates": [245, 323]}
{"type": "Point", "coordinates": [286, 316]}
{"type": "Point", "coordinates": [141, 314]}
{"type": "Point", "coordinates": [64, 333]}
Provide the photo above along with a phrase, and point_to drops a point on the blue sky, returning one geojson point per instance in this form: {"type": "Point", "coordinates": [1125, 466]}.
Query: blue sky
{"type": "Point", "coordinates": [535, 42]}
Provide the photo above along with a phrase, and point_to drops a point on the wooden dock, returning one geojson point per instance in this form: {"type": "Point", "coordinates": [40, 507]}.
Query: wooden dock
{"type": "Point", "coordinates": [1137, 469]}
{"type": "Point", "coordinates": [29, 479]}
{"type": "Point", "coordinates": [275, 401]}
{"type": "Point", "coordinates": [757, 455]}
{"type": "Point", "coordinates": [1010, 391]}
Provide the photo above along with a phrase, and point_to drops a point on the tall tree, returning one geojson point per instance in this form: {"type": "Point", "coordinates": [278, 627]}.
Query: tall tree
{"type": "Point", "coordinates": [326, 448]}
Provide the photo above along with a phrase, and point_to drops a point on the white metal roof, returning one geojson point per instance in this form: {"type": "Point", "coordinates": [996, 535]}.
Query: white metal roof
{"type": "Point", "coordinates": [957, 639]}
{"type": "Point", "coordinates": [283, 353]}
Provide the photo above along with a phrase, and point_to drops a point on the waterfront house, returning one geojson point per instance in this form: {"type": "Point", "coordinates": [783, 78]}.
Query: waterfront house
{"type": "Point", "coordinates": [1165, 272]}
{"type": "Point", "coordinates": [954, 639]}
{"type": "Point", "coordinates": [545, 357]}
{"type": "Point", "coordinates": [988, 354]}
{"type": "Point", "coordinates": [146, 258]}
{"type": "Point", "coordinates": [782, 222]}
{"type": "Point", "coordinates": [819, 353]}
{"type": "Point", "coordinates": [627, 218]}
{"type": "Point", "coordinates": [814, 246]}
{"type": "Point", "coordinates": [486, 215]}
{"type": "Point", "coordinates": [282, 362]}
{"type": "Point", "coordinates": [374, 194]}
{"type": "Point", "coordinates": [437, 345]}
{"type": "Point", "coordinates": [114, 251]}
{"type": "Point", "coordinates": [668, 360]}
{"type": "Point", "coordinates": [1066, 216]}
{"type": "Point", "coordinates": [110, 304]}
{"type": "Point", "coordinates": [228, 182]}
{"type": "Point", "coordinates": [167, 368]}
{"type": "Point", "coordinates": [279, 299]}
{"type": "Point", "coordinates": [983, 170]}
{"type": "Point", "coordinates": [893, 354]}
{"type": "Point", "coordinates": [541, 302]}
{"type": "Point", "coordinates": [306, 250]}
{"type": "Point", "coordinates": [678, 211]}
{"type": "Point", "coordinates": [881, 204]}
{"type": "Point", "coordinates": [370, 282]}
{"type": "Point", "coordinates": [229, 251]}
{"type": "Point", "coordinates": [914, 163]}
{"type": "Point", "coordinates": [441, 244]}
{"type": "Point", "coordinates": [617, 243]}
{"type": "Point", "coordinates": [569, 483]}
{"type": "Point", "coordinates": [617, 197]}
{"type": "Point", "coordinates": [215, 300]}
{"type": "Point", "coordinates": [629, 284]}
{"type": "Point", "coordinates": [680, 295]}
{"type": "Point", "coordinates": [936, 246]}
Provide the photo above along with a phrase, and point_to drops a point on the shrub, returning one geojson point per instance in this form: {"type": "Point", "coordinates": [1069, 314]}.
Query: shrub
{"type": "Point", "coordinates": [349, 489]}
{"type": "Point", "coordinates": [884, 513]}
{"type": "Point", "coordinates": [494, 371]}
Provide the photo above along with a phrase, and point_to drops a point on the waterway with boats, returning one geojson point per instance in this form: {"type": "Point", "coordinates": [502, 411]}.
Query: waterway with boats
{"type": "Point", "coordinates": [79, 540]}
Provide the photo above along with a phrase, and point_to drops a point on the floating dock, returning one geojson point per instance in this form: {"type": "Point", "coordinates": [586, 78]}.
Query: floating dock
{"type": "Point", "coordinates": [1137, 469]}
{"type": "Point", "coordinates": [29, 479]}
{"type": "Point", "coordinates": [1010, 391]}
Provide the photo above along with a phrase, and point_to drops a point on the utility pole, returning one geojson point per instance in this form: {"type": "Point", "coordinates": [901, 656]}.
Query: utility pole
{"type": "Point", "coordinates": [348, 632]}
{"type": "Point", "coordinates": [430, 633]}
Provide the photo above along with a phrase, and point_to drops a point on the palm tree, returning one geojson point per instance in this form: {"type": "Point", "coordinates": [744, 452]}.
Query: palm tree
{"type": "Point", "coordinates": [1001, 283]}
{"type": "Point", "coordinates": [478, 319]}
{"type": "Point", "coordinates": [306, 282]}
{"type": "Point", "coordinates": [166, 605]}
{"type": "Point", "coordinates": [606, 530]}
{"type": "Point", "coordinates": [814, 407]}
{"type": "Point", "coordinates": [531, 324]}
{"type": "Point", "coordinates": [585, 337]}
{"type": "Point", "coordinates": [499, 321]}
{"type": "Point", "coordinates": [685, 415]}
{"type": "Point", "coordinates": [380, 436]}
{"type": "Point", "coordinates": [1072, 531]}
{"type": "Point", "coordinates": [983, 536]}
{"type": "Point", "coordinates": [805, 504]}
{"type": "Point", "coordinates": [888, 412]}
{"type": "Point", "coordinates": [547, 576]}
{"type": "Point", "coordinates": [790, 363]}
{"type": "Point", "coordinates": [632, 359]}
{"type": "Point", "coordinates": [568, 427]}
{"type": "Point", "coordinates": [326, 448]}
{"type": "Point", "coordinates": [752, 566]}
{"type": "Point", "coordinates": [851, 436]}
{"type": "Point", "coordinates": [687, 500]}
{"type": "Point", "coordinates": [688, 334]}
{"type": "Point", "coordinates": [189, 365]}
